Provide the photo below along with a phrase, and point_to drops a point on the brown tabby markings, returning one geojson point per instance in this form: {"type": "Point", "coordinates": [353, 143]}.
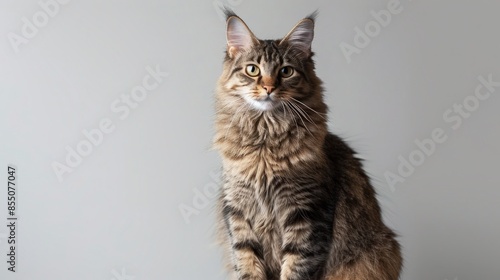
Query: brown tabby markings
{"type": "Point", "coordinates": [295, 202]}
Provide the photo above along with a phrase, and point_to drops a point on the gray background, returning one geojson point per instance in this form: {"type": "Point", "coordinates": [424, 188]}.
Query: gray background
{"type": "Point", "coordinates": [117, 214]}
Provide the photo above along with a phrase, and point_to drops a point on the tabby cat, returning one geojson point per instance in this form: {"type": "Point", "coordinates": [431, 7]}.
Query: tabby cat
{"type": "Point", "coordinates": [295, 203]}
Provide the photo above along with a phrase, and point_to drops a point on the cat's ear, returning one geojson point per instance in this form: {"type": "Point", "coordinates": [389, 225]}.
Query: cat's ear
{"type": "Point", "coordinates": [239, 37]}
{"type": "Point", "coordinates": [301, 36]}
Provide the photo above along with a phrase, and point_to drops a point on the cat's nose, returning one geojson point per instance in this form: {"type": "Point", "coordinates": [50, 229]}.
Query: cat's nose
{"type": "Point", "coordinates": [269, 89]}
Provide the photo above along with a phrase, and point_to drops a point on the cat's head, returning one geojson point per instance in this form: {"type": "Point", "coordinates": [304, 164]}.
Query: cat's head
{"type": "Point", "coordinates": [268, 74]}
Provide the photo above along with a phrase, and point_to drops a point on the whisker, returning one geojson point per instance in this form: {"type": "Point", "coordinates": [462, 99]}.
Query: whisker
{"type": "Point", "coordinates": [322, 115]}
{"type": "Point", "coordinates": [292, 116]}
{"type": "Point", "coordinates": [300, 117]}
{"type": "Point", "coordinates": [304, 114]}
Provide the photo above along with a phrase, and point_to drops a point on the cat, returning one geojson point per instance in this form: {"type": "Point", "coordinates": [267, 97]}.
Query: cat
{"type": "Point", "coordinates": [295, 203]}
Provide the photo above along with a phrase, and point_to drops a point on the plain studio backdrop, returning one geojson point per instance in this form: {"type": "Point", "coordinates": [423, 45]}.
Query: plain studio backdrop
{"type": "Point", "coordinates": [106, 113]}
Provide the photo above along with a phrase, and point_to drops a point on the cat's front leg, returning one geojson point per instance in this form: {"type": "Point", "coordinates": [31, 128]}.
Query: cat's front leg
{"type": "Point", "coordinates": [307, 235]}
{"type": "Point", "coordinates": [247, 252]}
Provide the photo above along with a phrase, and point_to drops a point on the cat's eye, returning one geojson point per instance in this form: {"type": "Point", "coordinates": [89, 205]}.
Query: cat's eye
{"type": "Point", "coordinates": [252, 70]}
{"type": "Point", "coordinates": [286, 71]}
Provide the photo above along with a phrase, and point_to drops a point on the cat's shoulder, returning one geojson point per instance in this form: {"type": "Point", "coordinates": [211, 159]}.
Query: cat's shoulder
{"type": "Point", "coordinates": [336, 146]}
{"type": "Point", "coordinates": [340, 154]}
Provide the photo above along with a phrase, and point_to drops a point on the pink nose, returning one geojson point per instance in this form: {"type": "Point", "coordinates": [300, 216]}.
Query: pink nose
{"type": "Point", "coordinates": [269, 89]}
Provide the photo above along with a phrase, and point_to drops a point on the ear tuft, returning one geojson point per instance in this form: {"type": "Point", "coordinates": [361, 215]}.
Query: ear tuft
{"type": "Point", "coordinates": [301, 36]}
{"type": "Point", "coordinates": [228, 12]}
{"type": "Point", "coordinates": [239, 37]}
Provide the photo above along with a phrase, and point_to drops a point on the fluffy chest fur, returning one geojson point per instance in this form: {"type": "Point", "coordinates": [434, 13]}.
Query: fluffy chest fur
{"type": "Point", "coordinates": [257, 146]}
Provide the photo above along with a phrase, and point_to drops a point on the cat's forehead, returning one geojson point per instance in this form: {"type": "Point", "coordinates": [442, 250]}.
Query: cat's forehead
{"type": "Point", "coordinates": [267, 51]}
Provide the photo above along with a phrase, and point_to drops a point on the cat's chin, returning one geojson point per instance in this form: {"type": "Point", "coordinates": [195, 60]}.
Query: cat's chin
{"type": "Point", "coordinates": [262, 105]}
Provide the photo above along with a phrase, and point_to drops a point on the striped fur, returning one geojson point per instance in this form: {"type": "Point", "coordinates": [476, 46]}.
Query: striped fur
{"type": "Point", "coordinates": [295, 202]}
